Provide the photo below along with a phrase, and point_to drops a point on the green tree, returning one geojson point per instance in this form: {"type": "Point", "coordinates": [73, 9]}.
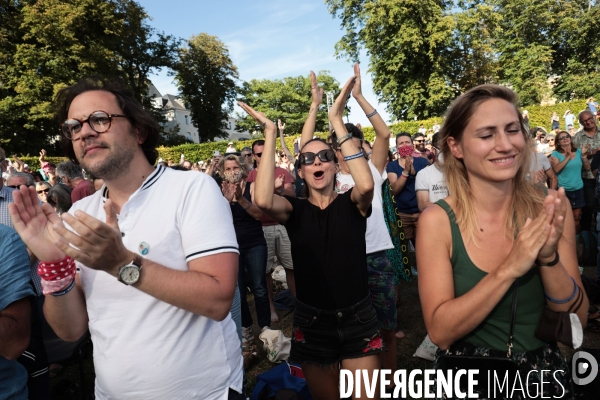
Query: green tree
{"type": "Point", "coordinates": [581, 77]}
{"type": "Point", "coordinates": [409, 46]}
{"type": "Point", "coordinates": [46, 45]}
{"type": "Point", "coordinates": [287, 99]}
{"type": "Point", "coordinates": [205, 76]}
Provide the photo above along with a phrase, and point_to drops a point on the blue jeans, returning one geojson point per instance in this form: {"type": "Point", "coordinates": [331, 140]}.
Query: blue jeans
{"type": "Point", "coordinates": [252, 273]}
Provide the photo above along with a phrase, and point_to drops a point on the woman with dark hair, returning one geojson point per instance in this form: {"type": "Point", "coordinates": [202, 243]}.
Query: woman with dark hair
{"type": "Point", "coordinates": [59, 197]}
{"type": "Point", "coordinates": [567, 162]}
{"type": "Point", "coordinates": [251, 241]}
{"type": "Point", "coordinates": [498, 253]}
{"type": "Point", "coordinates": [335, 323]}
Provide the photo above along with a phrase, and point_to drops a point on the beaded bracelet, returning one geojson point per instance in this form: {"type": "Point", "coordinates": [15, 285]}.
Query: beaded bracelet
{"type": "Point", "coordinates": [404, 176]}
{"type": "Point", "coordinates": [575, 290]}
{"type": "Point", "coordinates": [353, 156]}
{"type": "Point", "coordinates": [373, 113]}
{"type": "Point", "coordinates": [66, 290]}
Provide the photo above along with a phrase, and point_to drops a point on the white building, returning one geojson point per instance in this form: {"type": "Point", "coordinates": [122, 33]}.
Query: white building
{"type": "Point", "coordinates": [175, 112]}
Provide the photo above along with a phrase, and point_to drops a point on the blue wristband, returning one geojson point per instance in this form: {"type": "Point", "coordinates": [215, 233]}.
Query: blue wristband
{"type": "Point", "coordinates": [66, 290]}
{"type": "Point", "coordinates": [353, 156]}
{"type": "Point", "coordinates": [575, 290]}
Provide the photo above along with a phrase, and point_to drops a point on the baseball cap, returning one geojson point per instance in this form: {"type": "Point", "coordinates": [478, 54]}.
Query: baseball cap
{"type": "Point", "coordinates": [230, 143]}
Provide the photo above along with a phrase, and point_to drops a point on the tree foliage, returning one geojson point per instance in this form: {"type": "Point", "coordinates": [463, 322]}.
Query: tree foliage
{"type": "Point", "coordinates": [423, 53]}
{"type": "Point", "coordinates": [205, 76]}
{"type": "Point", "coordinates": [46, 45]}
{"type": "Point", "coordinates": [288, 99]}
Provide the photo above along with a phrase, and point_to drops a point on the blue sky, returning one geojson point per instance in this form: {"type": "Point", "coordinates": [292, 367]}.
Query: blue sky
{"type": "Point", "coordinates": [267, 39]}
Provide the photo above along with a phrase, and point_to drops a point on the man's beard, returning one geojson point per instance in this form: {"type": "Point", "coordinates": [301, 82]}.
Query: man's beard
{"type": "Point", "coordinates": [114, 165]}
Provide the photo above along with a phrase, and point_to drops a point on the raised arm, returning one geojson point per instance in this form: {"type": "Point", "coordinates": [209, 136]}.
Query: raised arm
{"type": "Point", "coordinates": [362, 194]}
{"type": "Point", "coordinates": [308, 130]}
{"type": "Point", "coordinates": [275, 206]}
{"type": "Point", "coordinates": [290, 156]}
{"type": "Point", "coordinates": [381, 145]}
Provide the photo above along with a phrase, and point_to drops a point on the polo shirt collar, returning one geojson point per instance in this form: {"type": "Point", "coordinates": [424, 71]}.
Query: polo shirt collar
{"type": "Point", "coordinates": [150, 180]}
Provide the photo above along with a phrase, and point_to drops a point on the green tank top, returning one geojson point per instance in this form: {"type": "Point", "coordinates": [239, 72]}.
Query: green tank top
{"type": "Point", "coordinates": [494, 330]}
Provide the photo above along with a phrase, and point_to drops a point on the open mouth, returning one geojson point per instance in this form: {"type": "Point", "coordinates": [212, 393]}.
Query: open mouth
{"type": "Point", "coordinates": [319, 174]}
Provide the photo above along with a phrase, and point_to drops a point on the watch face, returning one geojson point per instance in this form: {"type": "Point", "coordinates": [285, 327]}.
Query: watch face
{"type": "Point", "coordinates": [130, 274]}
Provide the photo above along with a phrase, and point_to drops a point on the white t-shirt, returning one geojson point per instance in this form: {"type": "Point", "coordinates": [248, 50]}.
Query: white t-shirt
{"type": "Point", "coordinates": [542, 147]}
{"type": "Point", "coordinates": [377, 236]}
{"type": "Point", "coordinates": [431, 179]}
{"type": "Point", "coordinates": [539, 161]}
{"type": "Point", "coordinates": [145, 348]}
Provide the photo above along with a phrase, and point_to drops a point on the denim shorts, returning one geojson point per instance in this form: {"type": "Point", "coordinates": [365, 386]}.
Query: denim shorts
{"type": "Point", "coordinates": [576, 198]}
{"type": "Point", "coordinates": [327, 337]}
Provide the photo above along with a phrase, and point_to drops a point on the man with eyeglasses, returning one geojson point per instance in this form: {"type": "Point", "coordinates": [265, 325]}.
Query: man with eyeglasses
{"type": "Point", "coordinates": [154, 286]}
{"type": "Point", "coordinates": [588, 136]}
{"type": "Point", "coordinates": [278, 242]}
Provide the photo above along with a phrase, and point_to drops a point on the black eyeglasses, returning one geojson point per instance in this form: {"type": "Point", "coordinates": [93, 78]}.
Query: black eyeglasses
{"type": "Point", "coordinates": [308, 158]}
{"type": "Point", "coordinates": [258, 154]}
{"type": "Point", "coordinates": [247, 155]}
{"type": "Point", "coordinates": [43, 191]}
{"type": "Point", "coordinates": [418, 141]}
{"type": "Point", "coordinates": [99, 121]}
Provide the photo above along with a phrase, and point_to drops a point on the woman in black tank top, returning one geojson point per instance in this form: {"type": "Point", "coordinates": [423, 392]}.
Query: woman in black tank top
{"type": "Point", "coordinates": [334, 320]}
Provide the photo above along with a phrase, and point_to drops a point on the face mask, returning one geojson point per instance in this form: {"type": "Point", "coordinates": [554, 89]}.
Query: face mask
{"type": "Point", "coordinates": [405, 150]}
{"type": "Point", "coordinates": [233, 176]}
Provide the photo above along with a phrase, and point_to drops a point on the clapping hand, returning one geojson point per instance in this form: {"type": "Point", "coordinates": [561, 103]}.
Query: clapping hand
{"type": "Point", "coordinates": [357, 90]}
{"type": "Point", "coordinates": [228, 191]}
{"type": "Point", "coordinates": [279, 180]}
{"type": "Point", "coordinates": [315, 91]}
{"type": "Point", "coordinates": [557, 225]}
{"type": "Point", "coordinates": [337, 110]}
{"type": "Point", "coordinates": [34, 223]}
{"type": "Point", "coordinates": [265, 123]}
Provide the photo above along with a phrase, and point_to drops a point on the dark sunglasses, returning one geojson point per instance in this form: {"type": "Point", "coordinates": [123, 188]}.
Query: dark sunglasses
{"type": "Point", "coordinates": [43, 191]}
{"type": "Point", "coordinates": [564, 137]}
{"type": "Point", "coordinates": [99, 121]}
{"type": "Point", "coordinates": [418, 141]}
{"type": "Point", "coordinates": [258, 154]}
{"type": "Point", "coordinates": [308, 158]}
{"type": "Point", "coordinates": [17, 186]}
{"type": "Point", "coordinates": [247, 155]}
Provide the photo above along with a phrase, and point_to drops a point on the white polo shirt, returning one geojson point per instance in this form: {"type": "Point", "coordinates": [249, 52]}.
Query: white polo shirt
{"type": "Point", "coordinates": [145, 348]}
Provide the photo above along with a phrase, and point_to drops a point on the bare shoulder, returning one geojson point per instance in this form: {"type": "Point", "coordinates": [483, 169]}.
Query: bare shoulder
{"type": "Point", "coordinates": [434, 225]}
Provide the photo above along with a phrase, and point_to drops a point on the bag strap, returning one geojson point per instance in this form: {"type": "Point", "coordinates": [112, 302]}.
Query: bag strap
{"type": "Point", "coordinates": [513, 317]}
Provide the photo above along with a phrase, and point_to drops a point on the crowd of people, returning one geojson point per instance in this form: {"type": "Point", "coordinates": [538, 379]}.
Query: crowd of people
{"type": "Point", "coordinates": [489, 205]}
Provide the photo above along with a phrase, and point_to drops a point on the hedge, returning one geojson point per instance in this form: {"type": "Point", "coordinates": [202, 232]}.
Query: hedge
{"type": "Point", "coordinates": [538, 116]}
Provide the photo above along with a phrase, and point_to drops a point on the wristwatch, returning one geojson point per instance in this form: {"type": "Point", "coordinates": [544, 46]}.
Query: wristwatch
{"type": "Point", "coordinates": [130, 273]}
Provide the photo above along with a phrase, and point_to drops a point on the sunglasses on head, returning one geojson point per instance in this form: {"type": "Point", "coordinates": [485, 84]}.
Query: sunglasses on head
{"type": "Point", "coordinates": [43, 191]}
{"type": "Point", "coordinates": [308, 158]}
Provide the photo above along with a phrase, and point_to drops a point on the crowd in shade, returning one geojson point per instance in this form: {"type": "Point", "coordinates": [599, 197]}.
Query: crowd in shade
{"type": "Point", "coordinates": [156, 259]}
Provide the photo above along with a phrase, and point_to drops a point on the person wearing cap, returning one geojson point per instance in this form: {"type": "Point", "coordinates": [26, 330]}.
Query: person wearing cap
{"type": "Point", "coordinates": [230, 148]}
{"type": "Point", "coordinates": [155, 293]}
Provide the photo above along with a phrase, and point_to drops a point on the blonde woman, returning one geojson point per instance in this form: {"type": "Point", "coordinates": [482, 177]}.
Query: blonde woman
{"type": "Point", "coordinates": [494, 236]}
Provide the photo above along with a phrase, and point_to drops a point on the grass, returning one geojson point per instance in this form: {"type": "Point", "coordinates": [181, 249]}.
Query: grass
{"type": "Point", "coordinates": [66, 386]}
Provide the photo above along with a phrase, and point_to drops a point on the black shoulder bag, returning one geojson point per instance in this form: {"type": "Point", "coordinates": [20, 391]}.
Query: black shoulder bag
{"type": "Point", "coordinates": [500, 366]}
